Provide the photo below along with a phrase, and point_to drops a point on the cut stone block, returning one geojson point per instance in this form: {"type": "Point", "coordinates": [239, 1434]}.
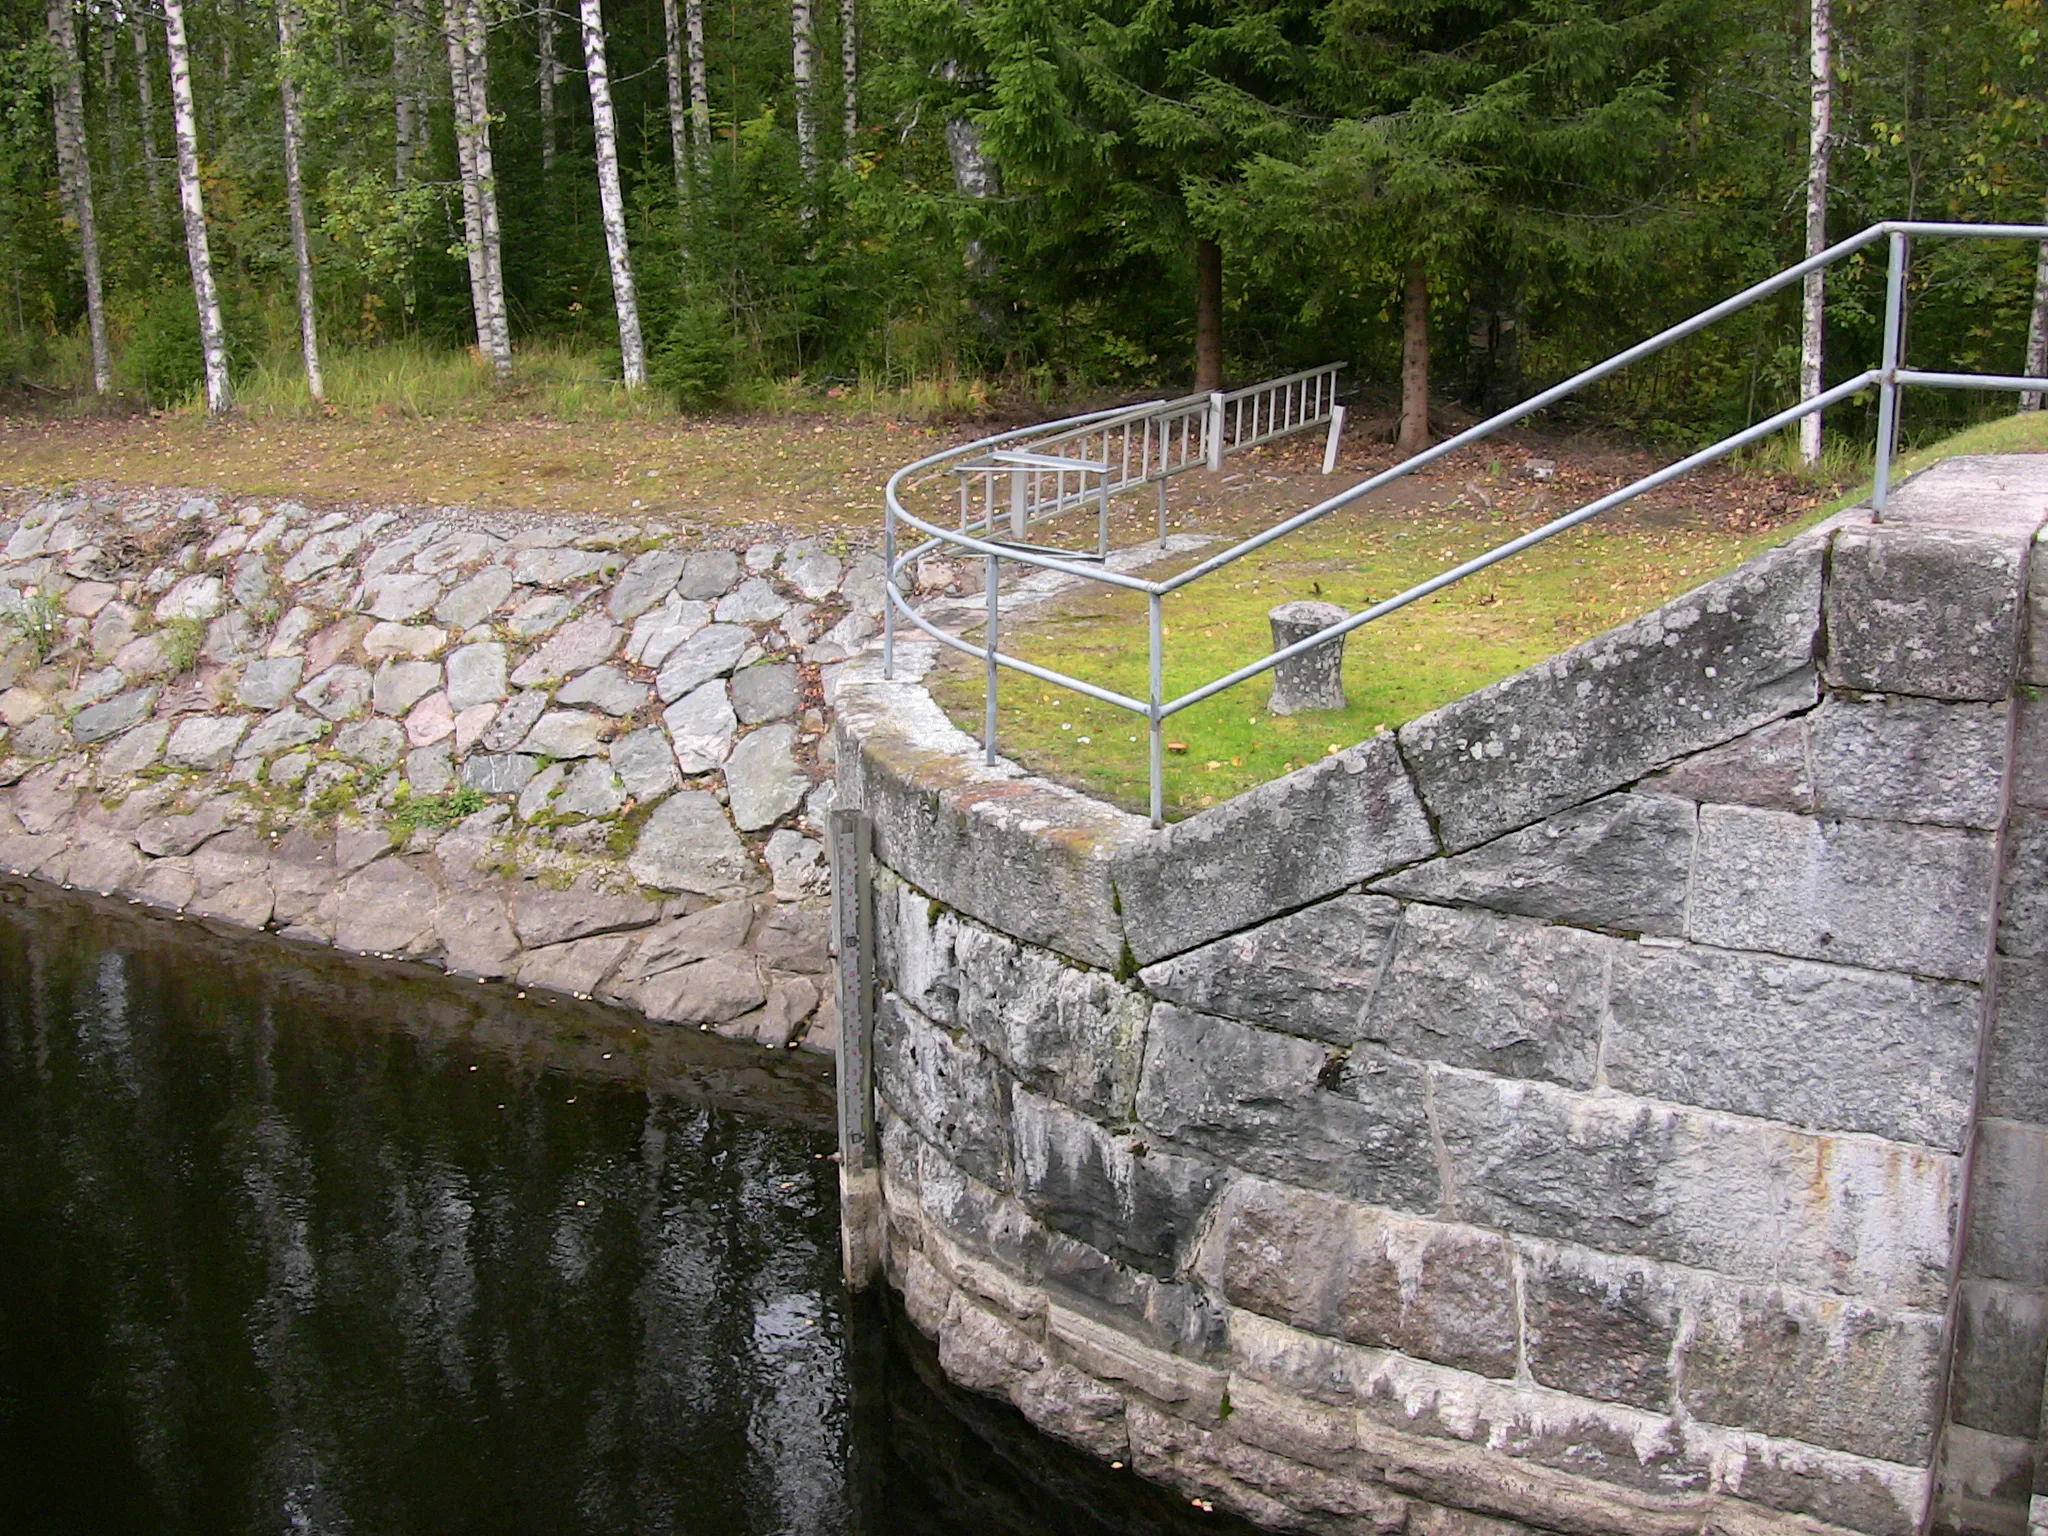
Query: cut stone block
{"type": "Point", "coordinates": [1599, 1326]}
{"type": "Point", "coordinates": [1825, 1370]}
{"type": "Point", "coordinates": [1750, 1199]}
{"type": "Point", "coordinates": [1724, 659]}
{"type": "Point", "coordinates": [1310, 973]}
{"type": "Point", "coordinates": [1907, 898]}
{"type": "Point", "coordinates": [2009, 1205]}
{"type": "Point", "coordinates": [1893, 758]}
{"type": "Point", "coordinates": [1503, 994]}
{"type": "Point", "coordinates": [1429, 1290]}
{"type": "Point", "coordinates": [1929, 611]}
{"type": "Point", "coordinates": [1826, 1046]}
{"type": "Point", "coordinates": [1280, 846]}
{"type": "Point", "coordinates": [1259, 1101]}
{"type": "Point", "coordinates": [2001, 1357]}
{"type": "Point", "coordinates": [1623, 862]}
{"type": "Point", "coordinates": [1137, 1204]}
{"type": "Point", "coordinates": [949, 1092]}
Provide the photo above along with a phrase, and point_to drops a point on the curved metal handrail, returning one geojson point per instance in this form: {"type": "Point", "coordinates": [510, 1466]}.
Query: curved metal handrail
{"type": "Point", "coordinates": [1888, 376]}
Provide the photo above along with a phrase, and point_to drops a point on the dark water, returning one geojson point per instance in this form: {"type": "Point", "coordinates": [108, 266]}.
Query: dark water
{"type": "Point", "coordinates": [288, 1244]}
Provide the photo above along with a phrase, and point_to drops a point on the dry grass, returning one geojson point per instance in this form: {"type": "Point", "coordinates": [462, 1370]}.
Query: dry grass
{"type": "Point", "coordinates": [800, 472]}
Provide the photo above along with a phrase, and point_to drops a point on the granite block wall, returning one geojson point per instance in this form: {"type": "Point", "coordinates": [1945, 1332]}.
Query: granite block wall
{"type": "Point", "coordinates": [1617, 1102]}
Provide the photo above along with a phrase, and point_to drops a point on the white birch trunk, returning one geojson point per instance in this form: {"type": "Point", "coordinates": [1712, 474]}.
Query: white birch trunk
{"type": "Point", "coordinates": [2037, 332]}
{"type": "Point", "coordinates": [145, 105]}
{"type": "Point", "coordinates": [1821, 67]}
{"type": "Point", "coordinates": [678, 103]}
{"type": "Point", "coordinates": [295, 193]}
{"type": "Point", "coordinates": [465, 161]}
{"type": "Point", "coordinates": [973, 174]}
{"type": "Point", "coordinates": [407, 23]}
{"type": "Point", "coordinates": [212, 334]}
{"type": "Point", "coordinates": [103, 29]}
{"type": "Point", "coordinates": [632, 356]}
{"type": "Point", "coordinates": [700, 92]}
{"type": "Point", "coordinates": [74, 172]}
{"type": "Point", "coordinates": [801, 50]}
{"type": "Point", "coordinates": [476, 67]}
{"type": "Point", "coordinates": [849, 79]}
{"type": "Point", "coordinates": [550, 76]}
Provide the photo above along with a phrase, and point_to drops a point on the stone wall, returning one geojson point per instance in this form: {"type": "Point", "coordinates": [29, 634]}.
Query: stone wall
{"type": "Point", "coordinates": [570, 754]}
{"type": "Point", "coordinates": [1616, 1102]}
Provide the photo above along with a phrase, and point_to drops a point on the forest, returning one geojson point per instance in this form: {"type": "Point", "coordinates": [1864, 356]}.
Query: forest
{"type": "Point", "coordinates": [210, 200]}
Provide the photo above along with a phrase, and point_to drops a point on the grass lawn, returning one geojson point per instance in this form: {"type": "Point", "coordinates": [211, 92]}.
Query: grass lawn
{"type": "Point", "coordinates": [1484, 629]}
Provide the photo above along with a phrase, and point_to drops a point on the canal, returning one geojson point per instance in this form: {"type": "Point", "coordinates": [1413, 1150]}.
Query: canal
{"type": "Point", "coordinates": [293, 1243]}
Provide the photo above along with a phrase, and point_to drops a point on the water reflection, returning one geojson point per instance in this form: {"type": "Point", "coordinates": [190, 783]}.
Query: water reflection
{"type": "Point", "coordinates": [291, 1245]}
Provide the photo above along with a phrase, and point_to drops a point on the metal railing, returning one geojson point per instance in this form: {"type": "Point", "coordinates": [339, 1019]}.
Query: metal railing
{"type": "Point", "coordinates": [1277, 408]}
{"type": "Point", "coordinates": [1889, 378]}
{"type": "Point", "coordinates": [1112, 453]}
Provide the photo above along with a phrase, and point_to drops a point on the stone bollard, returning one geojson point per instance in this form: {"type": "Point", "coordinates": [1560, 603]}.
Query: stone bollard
{"type": "Point", "coordinates": [1314, 679]}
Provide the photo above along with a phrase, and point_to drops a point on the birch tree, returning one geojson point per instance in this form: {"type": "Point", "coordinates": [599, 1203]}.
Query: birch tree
{"type": "Point", "coordinates": [632, 356]}
{"type": "Point", "coordinates": [1821, 71]}
{"type": "Point", "coordinates": [550, 77]}
{"type": "Point", "coordinates": [465, 171]}
{"type": "Point", "coordinates": [74, 175]}
{"type": "Point", "coordinates": [212, 334]}
{"type": "Point", "coordinates": [295, 192]}
{"type": "Point", "coordinates": [145, 107]}
{"type": "Point", "coordinates": [672, 37]}
{"type": "Point", "coordinates": [802, 48]}
{"type": "Point", "coordinates": [849, 77]}
{"type": "Point", "coordinates": [468, 81]}
{"type": "Point", "coordinates": [700, 93]}
{"type": "Point", "coordinates": [477, 70]}
{"type": "Point", "coordinates": [408, 21]}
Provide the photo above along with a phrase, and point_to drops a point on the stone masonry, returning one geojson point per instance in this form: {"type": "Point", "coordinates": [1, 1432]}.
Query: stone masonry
{"type": "Point", "coordinates": [574, 756]}
{"type": "Point", "coordinates": [1615, 1103]}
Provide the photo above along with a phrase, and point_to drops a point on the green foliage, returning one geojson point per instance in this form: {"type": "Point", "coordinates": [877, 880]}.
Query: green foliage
{"type": "Point", "coordinates": [181, 640]}
{"type": "Point", "coordinates": [700, 356]}
{"type": "Point", "coordinates": [1571, 173]}
{"type": "Point", "coordinates": [37, 618]}
{"type": "Point", "coordinates": [438, 810]}
{"type": "Point", "coordinates": [163, 361]}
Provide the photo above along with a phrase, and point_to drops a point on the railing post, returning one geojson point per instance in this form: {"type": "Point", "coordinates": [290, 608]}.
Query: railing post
{"type": "Point", "coordinates": [1888, 387]}
{"type": "Point", "coordinates": [1102, 537]}
{"type": "Point", "coordinates": [988, 725]}
{"type": "Point", "coordinates": [1216, 430]}
{"type": "Point", "coordinates": [888, 587]}
{"type": "Point", "coordinates": [1157, 725]}
{"type": "Point", "coordinates": [1336, 433]}
{"type": "Point", "coordinates": [1019, 519]}
{"type": "Point", "coordinates": [850, 839]}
